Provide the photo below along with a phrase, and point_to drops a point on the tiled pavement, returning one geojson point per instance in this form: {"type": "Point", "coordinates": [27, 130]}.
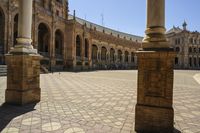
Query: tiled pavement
{"type": "Point", "coordinates": [95, 102]}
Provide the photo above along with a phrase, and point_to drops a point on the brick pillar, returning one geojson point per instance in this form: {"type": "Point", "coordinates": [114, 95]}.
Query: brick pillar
{"type": "Point", "coordinates": [23, 76]}
{"type": "Point", "coordinates": [154, 110]}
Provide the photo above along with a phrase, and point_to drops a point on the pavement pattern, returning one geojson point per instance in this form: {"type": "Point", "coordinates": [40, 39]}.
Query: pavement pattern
{"type": "Point", "coordinates": [95, 102]}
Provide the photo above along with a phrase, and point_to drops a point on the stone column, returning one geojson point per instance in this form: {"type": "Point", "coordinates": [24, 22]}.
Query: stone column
{"type": "Point", "coordinates": [23, 62]}
{"type": "Point", "coordinates": [154, 110]}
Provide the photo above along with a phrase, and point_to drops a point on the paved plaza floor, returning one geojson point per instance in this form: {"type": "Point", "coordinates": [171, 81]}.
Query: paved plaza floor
{"type": "Point", "coordinates": [96, 102]}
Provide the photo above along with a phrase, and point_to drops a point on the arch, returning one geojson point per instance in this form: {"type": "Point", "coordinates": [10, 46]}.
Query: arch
{"type": "Point", "coordinates": [103, 53]}
{"type": "Point", "coordinates": [59, 43]}
{"type": "Point", "coordinates": [119, 52]}
{"type": "Point", "coordinates": [126, 56]}
{"type": "Point", "coordinates": [176, 61]}
{"type": "Point", "coordinates": [15, 32]}
{"type": "Point", "coordinates": [132, 57]}
{"type": "Point", "coordinates": [78, 46]}
{"type": "Point", "coordinates": [94, 52]}
{"type": "Point", "coordinates": [43, 39]}
{"type": "Point", "coordinates": [86, 48]}
{"type": "Point", "coordinates": [112, 55]}
{"type": "Point", "coordinates": [2, 31]}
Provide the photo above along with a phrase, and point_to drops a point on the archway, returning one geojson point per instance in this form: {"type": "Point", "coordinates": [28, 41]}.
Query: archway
{"type": "Point", "coordinates": [43, 39]}
{"type": "Point", "coordinates": [132, 57]}
{"type": "Point", "coordinates": [120, 56]}
{"type": "Point", "coordinates": [58, 43]}
{"type": "Point", "coordinates": [2, 32]}
{"type": "Point", "coordinates": [103, 54]}
{"type": "Point", "coordinates": [86, 48]}
{"type": "Point", "coordinates": [15, 32]}
{"type": "Point", "coordinates": [78, 47]}
{"type": "Point", "coordinates": [112, 55]}
{"type": "Point", "coordinates": [126, 56]}
{"type": "Point", "coordinates": [94, 53]}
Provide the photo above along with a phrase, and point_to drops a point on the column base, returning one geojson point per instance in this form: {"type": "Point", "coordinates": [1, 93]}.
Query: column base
{"type": "Point", "coordinates": [23, 79]}
{"type": "Point", "coordinates": [17, 97]}
{"type": "Point", "coordinates": [154, 119]}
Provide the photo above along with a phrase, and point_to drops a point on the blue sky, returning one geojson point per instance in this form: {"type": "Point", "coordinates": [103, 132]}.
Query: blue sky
{"type": "Point", "coordinates": [130, 15]}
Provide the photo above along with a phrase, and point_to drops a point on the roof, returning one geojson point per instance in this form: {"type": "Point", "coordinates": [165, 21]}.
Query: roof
{"type": "Point", "coordinates": [174, 30]}
{"type": "Point", "coordinates": [107, 30]}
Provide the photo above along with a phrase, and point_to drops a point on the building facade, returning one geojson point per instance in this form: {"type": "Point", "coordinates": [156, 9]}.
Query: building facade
{"type": "Point", "coordinates": [187, 46]}
{"type": "Point", "coordinates": [68, 42]}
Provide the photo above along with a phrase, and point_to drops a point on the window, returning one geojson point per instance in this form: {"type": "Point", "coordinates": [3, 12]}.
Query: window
{"type": "Point", "coordinates": [190, 50]}
{"type": "Point", "coordinates": [195, 50]}
{"type": "Point", "coordinates": [60, 1]}
{"type": "Point", "coordinates": [179, 41]}
{"type": "Point", "coordinates": [57, 13]}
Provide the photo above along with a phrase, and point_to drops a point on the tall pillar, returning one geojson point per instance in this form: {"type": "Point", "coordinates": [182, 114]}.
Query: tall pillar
{"type": "Point", "coordinates": [23, 62]}
{"type": "Point", "coordinates": [154, 111]}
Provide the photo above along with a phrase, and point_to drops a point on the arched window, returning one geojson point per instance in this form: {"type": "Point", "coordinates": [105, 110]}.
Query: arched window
{"type": "Point", "coordinates": [103, 53]}
{"type": "Point", "coordinates": [177, 49]}
{"type": "Point", "coordinates": [78, 46]}
{"type": "Point", "coordinates": [94, 52]}
{"type": "Point", "coordinates": [58, 43]}
{"type": "Point", "coordinates": [43, 39]}
{"type": "Point", "coordinates": [112, 55]}
{"type": "Point", "coordinates": [132, 57]}
{"type": "Point", "coordinates": [120, 55]}
{"type": "Point", "coordinates": [86, 48]}
{"type": "Point", "coordinates": [126, 56]}
{"type": "Point", "coordinates": [176, 61]}
{"type": "Point", "coordinates": [15, 29]}
{"type": "Point", "coordinates": [2, 31]}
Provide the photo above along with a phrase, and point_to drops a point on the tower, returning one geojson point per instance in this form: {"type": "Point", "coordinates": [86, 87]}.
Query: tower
{"type": "Point", "coordinates": [184, 26]}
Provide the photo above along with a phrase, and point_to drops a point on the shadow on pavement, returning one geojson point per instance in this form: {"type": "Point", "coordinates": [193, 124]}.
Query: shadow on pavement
{"type": "Point", "coordinates": [175, 131]}
{"type": "Point", "coordinates": [9, 112]}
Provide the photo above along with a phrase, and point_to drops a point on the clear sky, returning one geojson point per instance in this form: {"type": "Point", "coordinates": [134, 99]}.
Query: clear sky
{"type": "Point", "coordinates": [130, 15]}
